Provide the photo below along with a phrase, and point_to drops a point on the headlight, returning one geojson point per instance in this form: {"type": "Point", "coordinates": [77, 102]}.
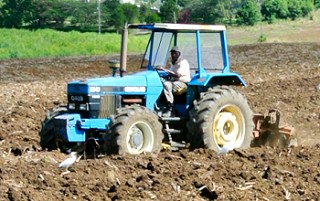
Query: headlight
{"type": "Point", "coordinates": [83, 107]}
{"type": "Point", "coordinates": [72, 106]}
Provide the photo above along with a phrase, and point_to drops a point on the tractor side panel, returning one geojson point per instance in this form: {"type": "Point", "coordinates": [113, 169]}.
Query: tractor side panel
{"type": "Point", "coordinates": [210, 80]}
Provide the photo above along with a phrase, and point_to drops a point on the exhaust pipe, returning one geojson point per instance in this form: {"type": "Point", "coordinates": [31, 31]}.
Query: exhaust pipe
{"type": "Point", "coordinates": [124, 51]}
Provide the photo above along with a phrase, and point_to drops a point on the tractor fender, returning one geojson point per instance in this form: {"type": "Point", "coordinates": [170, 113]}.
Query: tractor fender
{"type": "Point", "coordinates": [214, 79]}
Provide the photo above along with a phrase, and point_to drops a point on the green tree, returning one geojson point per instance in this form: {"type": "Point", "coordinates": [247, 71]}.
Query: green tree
{"type": "Point", "coordinates": [272, 9]}
{"type": "Point", "coordinates": [1, 15]}
{"type": "Point", "coordinates": [307, 7]}
{"type": "Point", "coordinates": [121, 13]}
{"type": "Point", "coordinates": [184, 3]}
{"type": "Point", "coordinates": [53, 13]}
{"type": "Point", "coordinates": [317, 3]}
{"type": "Point", "coordinates": [110, 6]}
{"type": "Point", "coordinates": [85, 15]}
{"type": "Point", "coordinates": [117, 18]}
{"type": "Point", "coordinates": [147, 15]}
{"type": "Point", "coordinates": [131, 12]}
{"type": "Point", "coordinates": [206, 11]}
{"type": "Point", "coordinates": [230, 8]}
{"type": "Point", "coordinates": [295, 9]}
{"type": "Point", "coordinates": [248, 13]}
{"type": "Point", "coordinates": [14, 12]}
{"type": "Point", "coordinates": [57, 11]}
{"type": "Point", "coordinates": [152, 17]}
{"type": "Point", "coordinates": [168, 11]}
{"type": "Point", "coordinates": [143, 11]}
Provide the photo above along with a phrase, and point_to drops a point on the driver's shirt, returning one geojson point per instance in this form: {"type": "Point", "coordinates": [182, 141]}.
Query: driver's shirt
{"type": "Point", "coordinates": [182, 68]}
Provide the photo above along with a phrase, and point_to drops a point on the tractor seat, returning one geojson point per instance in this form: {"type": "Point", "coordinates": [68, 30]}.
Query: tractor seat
{"type": "Point", "coordinates": [180, 96]}
{"type": "Point", "coordinates": [180, 91]}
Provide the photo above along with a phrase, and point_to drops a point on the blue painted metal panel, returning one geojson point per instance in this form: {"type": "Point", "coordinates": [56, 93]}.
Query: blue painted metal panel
{"type": "Point", "coordinates": [78, 87]}
{"type": "Point", "coordinates": [151, 50]}
{"type": "Point", "coordinates": [135, 80]}
{"type": "Point", "coordinates": [203, 81]}
{"type": "Point", "coordinates": [142, 26]}
{"type": "Point", "coordinates": [100, 124]}
{"type": "Point", "coordinates": [154, 89]}
{"type": "Point", "coordinates": [200, 68]}
{"type": "Point", "coordinates": [66, 128]}
{"type": "Point", "coordinates": [72, 128]}
{"type": "Point", "coordinates": [225, 56]}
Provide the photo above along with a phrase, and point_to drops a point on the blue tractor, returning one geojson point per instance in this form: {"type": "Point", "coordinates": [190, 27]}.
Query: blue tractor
{"type": "Point", "coordinates": [123, 113]}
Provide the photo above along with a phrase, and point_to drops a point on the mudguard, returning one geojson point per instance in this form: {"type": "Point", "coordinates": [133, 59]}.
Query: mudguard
{"type": "Point", "coordinates": [209, 80]}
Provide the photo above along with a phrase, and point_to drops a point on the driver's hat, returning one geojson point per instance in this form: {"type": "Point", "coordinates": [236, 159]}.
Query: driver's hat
{"type": "Point", "coordinates": [175, 49]}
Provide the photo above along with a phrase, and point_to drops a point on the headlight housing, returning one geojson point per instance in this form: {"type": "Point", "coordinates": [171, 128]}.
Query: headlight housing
{"type": "Point", "coordinates": [84, 106]}
{"type": "Point", "coordinates": [72, 106]}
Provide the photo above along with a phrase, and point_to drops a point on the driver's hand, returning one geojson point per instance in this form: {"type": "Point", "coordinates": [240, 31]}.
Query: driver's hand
{"type": "Point", "coordinates": [159, 68]}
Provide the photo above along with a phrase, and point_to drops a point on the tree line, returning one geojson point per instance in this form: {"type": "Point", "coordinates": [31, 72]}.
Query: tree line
{"type": "Point", "coordinates": [110, 14]}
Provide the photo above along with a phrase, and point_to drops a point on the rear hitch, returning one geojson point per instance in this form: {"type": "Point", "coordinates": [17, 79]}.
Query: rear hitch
{"type": "Point", "coordinates": [268, 131]}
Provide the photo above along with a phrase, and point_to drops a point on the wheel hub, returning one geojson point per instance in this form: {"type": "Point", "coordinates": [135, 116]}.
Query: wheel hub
{"type": "Point", "coordinates": [226, 128]}
{"type": "Point", "coordinates": [136, 138]}
{"type": "Point", "coordinates": [139, 138]}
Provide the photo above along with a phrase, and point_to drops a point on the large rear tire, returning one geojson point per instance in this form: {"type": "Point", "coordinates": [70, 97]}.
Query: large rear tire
{"type": "Point", "coordinates": [134, 130]}
{"type": "Point", "coordinates": [48, 139]}
{"type": "Point", "coordinates": [221, 117]}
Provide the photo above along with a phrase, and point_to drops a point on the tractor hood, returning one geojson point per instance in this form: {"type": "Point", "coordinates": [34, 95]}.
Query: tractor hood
{"type": "Point", "coordinates": [140, 82]}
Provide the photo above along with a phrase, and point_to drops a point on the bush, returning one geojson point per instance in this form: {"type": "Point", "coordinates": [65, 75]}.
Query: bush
{"type": "Point", "coordinates": [317, 3]}
{"type": "Point", "coordinates": [248, 13]}
{"type": "Point", "coordinates": [307, 7]}
{"type": "Point", "coordinates": [295, 9]}
{"type": "Point", "coordinates": [274, 9]}
{"type": "Point", "coordinates": [262, 38]}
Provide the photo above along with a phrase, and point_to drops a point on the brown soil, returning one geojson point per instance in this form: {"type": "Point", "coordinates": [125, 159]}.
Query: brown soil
{"type": "Point", "coordinates": [280, 76]}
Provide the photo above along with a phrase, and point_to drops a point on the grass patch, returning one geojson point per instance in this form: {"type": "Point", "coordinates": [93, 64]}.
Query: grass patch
{"type": "Point", "coordinates": [302, 30]}
{"type": "Point", "coordinates": [16, 43]}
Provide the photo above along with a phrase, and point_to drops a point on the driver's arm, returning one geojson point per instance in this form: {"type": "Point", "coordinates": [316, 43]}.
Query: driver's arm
{"type": "Point", "coordinates": [168, 71]}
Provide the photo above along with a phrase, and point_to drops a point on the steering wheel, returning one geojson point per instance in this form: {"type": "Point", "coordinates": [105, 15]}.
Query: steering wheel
{"type": "Point", "coordinates": [163, 74]}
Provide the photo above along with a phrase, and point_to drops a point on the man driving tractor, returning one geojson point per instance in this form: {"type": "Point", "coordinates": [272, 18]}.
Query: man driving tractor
{"type": "Point", "coordinates": [179, 72]}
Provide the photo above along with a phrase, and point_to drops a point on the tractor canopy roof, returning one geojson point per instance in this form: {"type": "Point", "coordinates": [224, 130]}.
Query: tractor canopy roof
{"type": "Point", "coordinates": [179, 27]}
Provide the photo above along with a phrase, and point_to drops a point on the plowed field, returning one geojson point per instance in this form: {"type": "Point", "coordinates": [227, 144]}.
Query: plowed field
{"type": "Point", "coordinates": [281, 76]}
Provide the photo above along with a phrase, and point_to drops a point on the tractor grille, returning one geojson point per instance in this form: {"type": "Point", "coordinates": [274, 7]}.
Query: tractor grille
{"type": "Point", "coordinates": [108, 105]}
{"type": "Point", "coordinates": [94, 107]}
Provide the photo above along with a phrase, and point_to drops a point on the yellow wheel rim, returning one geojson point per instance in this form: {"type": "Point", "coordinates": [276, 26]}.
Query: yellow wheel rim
{"type": "Point", "coordinates": [229, 126]}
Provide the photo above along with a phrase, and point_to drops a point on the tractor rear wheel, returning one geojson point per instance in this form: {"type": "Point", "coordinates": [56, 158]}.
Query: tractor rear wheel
{"type": "Point", "coordinates": [48, 139]}
{"type": "Point", "coordinates": [220, 118]}
{"type": "Point", "coordinates": [134, 129]}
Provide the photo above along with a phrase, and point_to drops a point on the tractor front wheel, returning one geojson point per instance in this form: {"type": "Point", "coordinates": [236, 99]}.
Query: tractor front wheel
{"type": "Point", "coordinates": [221, 118]}
{"type": "Point", "coordinates": [134, 130]}
{"type": "Point", "coordinates": [48, 138]}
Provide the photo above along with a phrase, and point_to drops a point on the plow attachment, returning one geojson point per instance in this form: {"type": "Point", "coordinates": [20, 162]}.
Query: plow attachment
{"type": "Point", "coordinates": [268, 131]}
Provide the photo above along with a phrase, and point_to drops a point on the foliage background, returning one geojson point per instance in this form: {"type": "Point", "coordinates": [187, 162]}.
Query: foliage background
{"type": "Point", "coordinates": [59, 28]}
{"type": "Point", "coordinates": [77, 15]}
